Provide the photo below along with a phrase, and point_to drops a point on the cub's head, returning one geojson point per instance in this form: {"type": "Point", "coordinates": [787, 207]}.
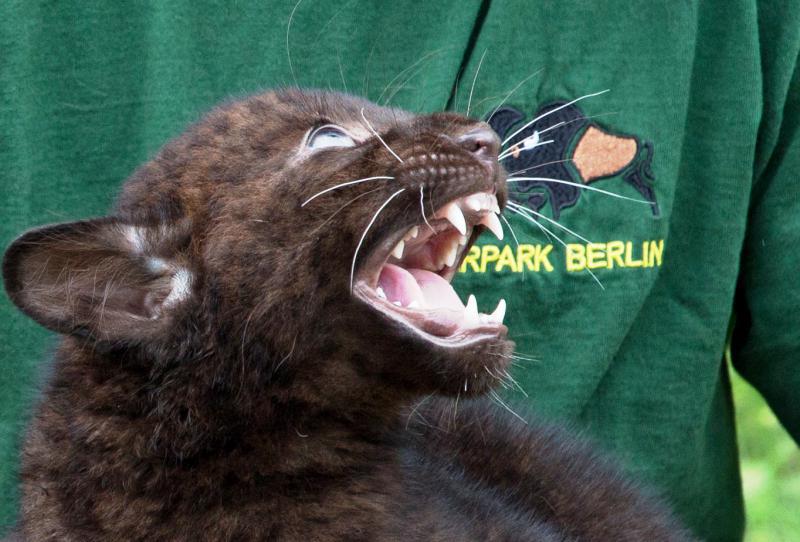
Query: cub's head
{"type": "Point", "coordinates": [295, 236]}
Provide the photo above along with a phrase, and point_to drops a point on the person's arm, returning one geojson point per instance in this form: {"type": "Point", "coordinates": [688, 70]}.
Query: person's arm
{"type": "Point", "coordinates": [766, 337]}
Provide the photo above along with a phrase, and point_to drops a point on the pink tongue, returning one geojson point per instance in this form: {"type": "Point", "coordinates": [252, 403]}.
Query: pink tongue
{"type": "Point", "coordinates": [428, 289]}
{"type": "Point", "coordinates": [399, 285]}
{"type": "Point", "coordinates": [438, 292]}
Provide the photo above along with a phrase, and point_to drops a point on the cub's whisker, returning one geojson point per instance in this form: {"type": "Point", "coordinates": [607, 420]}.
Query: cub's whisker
{"type": "Point", "coordinates": [371, 129]}
{"type": "Point", "coordinates": [422, 206]}
{"type": "Point", "coordinates": [516, 149]}
{"type": "Point", "coordinates": [496, 397]}
{"type": "Point", "coordinates": [474, 79]}
{"type": "Point", "coordinates": [551, 221]}
{"type": "Point", "coordinates": [577, 185]}
{"type": "Point", "coordinates": [402, 72]}
{"type": "Point", "coordinates": [288, 51]}
{"type": "Point", "coordinates": [537, 166]}
{"type": "Point", "coordinates": [514, 236]}
{"type": "Point", "coordinates": [342, 207]}
{"type": "Point", "coordinates": [550, 112]}
{"type": "Point", "coordinates": [547, 233]}
{"type": "Point", "coordinates": [523, 212]}
{"type": "Point", "coordinates": [512, 91]}
{"type": "Point", "coordinates": [363, 235]}
{"type": "Point", "coordinates": [348, 183]}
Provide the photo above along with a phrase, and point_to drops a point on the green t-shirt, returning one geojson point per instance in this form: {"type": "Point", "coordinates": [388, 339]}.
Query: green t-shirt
{"type": "Point", "coordinates": [701, 123]}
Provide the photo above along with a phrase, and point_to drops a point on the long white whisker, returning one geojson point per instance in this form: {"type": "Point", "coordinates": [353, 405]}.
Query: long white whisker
{"type": "Point", "coordinates": [510, 151]}
{"type": "Point", "coordinates": [578, 185]}
{"type": "Point", "coordinates": [379, 137]}
{"type": "Point", "coordinates": [368, 192]}
{"type": "Point", "coordinates": [515, 148]}
{"type": "Point", "coordinates": [511, 92]}
{"type": "Point", "coordinates": [474, 79]}
{"type": "Point", "coordinates": [363, 235]}
{"type": "Point", "coordinates": [505, 406]}
{"type": "Point", "coordinates": [584, 117]}
{"type": "Point", "coordinates": [514, 235]}
{"type": "Point", "coordinates": [523, 212]}
{"type": "Point", "coordinates": [537, 166]}
{"type": "Point", "coordinates": [288, 29]}
{"type": "Point", "coordinates": [403, 72]}
{"type": "Point", "coordinates": [550, 112]}
{"type": "Point", "coordinates": [550, 220]}
{"type": "Point", "coordinates": [416, 407]}
{"type": "Point", "coordinates": [422, 206]}
{"type": "Point", "coordinates": [547, 233]}
{"type": "Point", "coordinates": [348, 183]}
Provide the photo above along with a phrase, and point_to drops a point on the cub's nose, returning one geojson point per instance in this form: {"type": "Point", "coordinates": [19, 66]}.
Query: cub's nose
{"type": "Point", "coordinates": [482, 142]}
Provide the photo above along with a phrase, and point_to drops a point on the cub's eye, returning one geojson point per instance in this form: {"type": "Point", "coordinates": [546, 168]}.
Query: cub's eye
{"type": "Point", "coordinates": [329, 136]}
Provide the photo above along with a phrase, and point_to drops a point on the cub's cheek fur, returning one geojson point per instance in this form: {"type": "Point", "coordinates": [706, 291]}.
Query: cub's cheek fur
{"type": "Point", "coordinates": [102, 278]}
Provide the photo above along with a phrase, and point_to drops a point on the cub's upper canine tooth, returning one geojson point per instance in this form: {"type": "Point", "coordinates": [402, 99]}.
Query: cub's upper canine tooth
{"type": "Point", "coordinates": [491, 221]}
{"type": "Point", "coordinates": [380, 292]}
{"type": "Point", "coordinates": [499, 313]}
{"type": "Point", "coordinates": [397, 252]}
{"type": "Point", "coordinates": [462, 239]}
{"type": "Point", "coordinates": [494, 205]}
{"type": "Point", "coordinates": [453, 213]}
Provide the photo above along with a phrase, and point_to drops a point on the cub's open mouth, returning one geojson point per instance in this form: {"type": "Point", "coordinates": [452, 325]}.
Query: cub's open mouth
{"type": "Point", "coordinates": [408, 276]}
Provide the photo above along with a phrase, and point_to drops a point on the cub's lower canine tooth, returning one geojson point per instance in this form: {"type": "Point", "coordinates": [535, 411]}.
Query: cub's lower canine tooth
{"type": "Point", "coordinates": [452, 252]}
{"type": "Point", "coordinates": [491, 221]}
{"type": "Point", "coordinates": [471, 310]}
{"type": "Point", "coordinates": [397, 303]}
{"type": "Point", "coordinates": [413, 305]}
{"type": "Point", "coordinates": [500, 312]}
{"type": "Point", "coordinates": [453, 213]}
{"type": "Point", "coordinates": [380, 292]}
{"type": "Point", "coordinates": [398, 250]}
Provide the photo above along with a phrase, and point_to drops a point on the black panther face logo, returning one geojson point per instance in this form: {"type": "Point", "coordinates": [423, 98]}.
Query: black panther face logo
{"type": "Point", "coordinates": [579, 150]}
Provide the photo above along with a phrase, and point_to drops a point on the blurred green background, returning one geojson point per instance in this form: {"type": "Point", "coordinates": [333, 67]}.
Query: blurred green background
{"type": "Point", "coordinates": [770, 469]}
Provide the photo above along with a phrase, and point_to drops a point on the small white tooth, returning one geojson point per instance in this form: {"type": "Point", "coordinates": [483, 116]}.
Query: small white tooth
{"type": "Point", "coordinates": [473, 202]}
{"type": "Point", "coordinates": [380, 292]}
{"type": "Point", "coordinates": [450, 257]}
{"type": "Point", "coordinates": [499, 313]}
{"type": "Point", "coordinates": [462, 239]}
{"type": "Point", "coordinates": [397, 303]}
{"type": "Point", "coordinates": [398, 250]}
{"type": "Point", "coordinates": [453, 213]}
{"type": "Point", "coordinates": [491, 221]}
{"type": "Point", "coordinates": [413, 305]}
{"type": "Point", "coordinates": [471, 310]}
{"type": "Point", "coordinates": [413, 232]}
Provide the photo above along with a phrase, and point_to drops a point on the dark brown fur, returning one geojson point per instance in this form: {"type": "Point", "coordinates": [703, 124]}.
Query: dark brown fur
{"type": "Point", "coordinates": [269, 403]}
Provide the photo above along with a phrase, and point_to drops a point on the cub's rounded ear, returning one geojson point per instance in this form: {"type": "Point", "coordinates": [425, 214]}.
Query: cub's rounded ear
{"type": "Point", "coordinates": [112, 280]}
